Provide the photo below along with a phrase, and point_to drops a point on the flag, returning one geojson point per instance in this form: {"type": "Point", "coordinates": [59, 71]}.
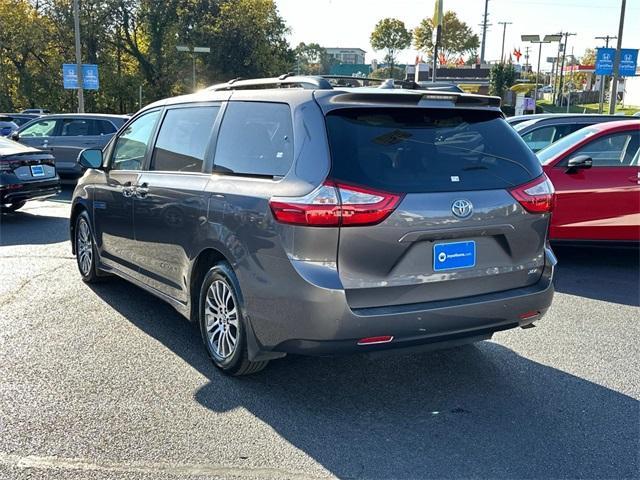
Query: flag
{"type": "Point", "coordinates": [442, 59]}
{"type": "Point", "coordinates": [517, 53]}
{"type": "Point", "coordinates": [460, 61]}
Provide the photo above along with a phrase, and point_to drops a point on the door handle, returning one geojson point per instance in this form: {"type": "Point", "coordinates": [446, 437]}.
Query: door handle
{"type": "Point", "coordinates": [635, 179]}
{"type": "Point", "coordinates": [141, 190]}
{"type": "Point", "coordinates": [127, 189]}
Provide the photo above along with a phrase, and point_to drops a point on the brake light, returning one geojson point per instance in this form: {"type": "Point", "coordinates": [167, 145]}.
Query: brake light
{"type": "Point", "coordinates": [335, 204]}
{"type": "Point", "coordinates": [536, 196]}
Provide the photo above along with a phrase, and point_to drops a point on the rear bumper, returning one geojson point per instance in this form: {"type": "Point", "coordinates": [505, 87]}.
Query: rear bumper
{"type": "Point", "coordinates": [31, 190]}
{"type": "Point", "coordinates": [319, 321]}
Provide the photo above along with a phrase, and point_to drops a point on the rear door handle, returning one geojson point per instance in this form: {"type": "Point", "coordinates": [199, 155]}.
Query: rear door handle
{"type": "Point", "coordinates": [141, 190]}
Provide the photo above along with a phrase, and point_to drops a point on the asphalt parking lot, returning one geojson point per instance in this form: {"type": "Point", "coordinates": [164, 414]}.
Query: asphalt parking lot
{"type": "Point", "coordinates": [109, 382]}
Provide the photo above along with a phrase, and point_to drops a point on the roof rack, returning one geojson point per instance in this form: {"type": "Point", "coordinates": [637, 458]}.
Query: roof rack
{"type": "Point", "coordinates": [288, 80]}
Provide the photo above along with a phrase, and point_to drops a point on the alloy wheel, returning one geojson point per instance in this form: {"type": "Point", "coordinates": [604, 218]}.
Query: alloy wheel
{"type": "Point", "coordinates": [221, 315]}
{"type": "Point", "coordinates": [84, 247]}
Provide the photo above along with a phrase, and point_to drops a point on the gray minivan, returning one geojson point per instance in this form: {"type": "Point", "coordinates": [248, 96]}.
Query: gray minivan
{"type": "Point", "coordinates": [66, 135]}
{"type": "Point", "coordinates": [288, 216]}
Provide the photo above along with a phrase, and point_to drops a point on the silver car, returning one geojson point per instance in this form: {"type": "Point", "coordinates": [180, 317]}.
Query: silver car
{"type": "Point", "coordinates": [320, 220]}
{"type": "Point", "coordinates": [66, 135]}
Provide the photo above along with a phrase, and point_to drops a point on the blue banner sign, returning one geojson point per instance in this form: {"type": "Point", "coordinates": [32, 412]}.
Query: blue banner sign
{"type": "Point", "coordinates": [628, 62]}
{"type": "Point", "coordinates": [90, 80]}
{"type": "Point", "coordinates": [604, 61]}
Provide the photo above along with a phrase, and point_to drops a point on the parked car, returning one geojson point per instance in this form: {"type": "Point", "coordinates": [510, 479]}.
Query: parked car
{"type": "Point", "coordinates": [320, 220]}
{"type": "Point", "coordinates": [20, 118]}
{"type": "Point", "coordinates": [596, 174]}
{"type": "Point", "coordinates": [516, 119]}
{"type": "Point", "coordinates": [39, 111]}
{"type": "Point", "coordinates": [547, 89]}
{"type": "Point", "coordinates": [26, 173]}
{"type": "Point", "coordinates": [543, 131]}
{"type": "Point", "coordinates": [7, 126]}
{"type": "Point", "coordinates": [66, 135]}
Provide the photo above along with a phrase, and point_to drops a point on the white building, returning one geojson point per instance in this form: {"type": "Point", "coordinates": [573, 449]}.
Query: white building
{"type": "Point", "coordinates": [347, 55]}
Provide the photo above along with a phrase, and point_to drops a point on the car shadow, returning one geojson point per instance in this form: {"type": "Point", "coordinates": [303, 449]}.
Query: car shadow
{"type": "Point", "coordinates": [476, 411]}
{"type": "Point", "coordinates": [607, 274]}
{"type": "Point", "coordinates": [24, 228]}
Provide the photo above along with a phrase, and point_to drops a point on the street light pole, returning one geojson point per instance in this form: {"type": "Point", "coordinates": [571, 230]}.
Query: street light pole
{"type": "Point", "coordinates": [613, 97]}
{"type": "Point", "coordinates": [564, 55]}
{"type": "Point", "coordinates": [536, 39]}
{"type": "Point", "coordinates": [193, 52]}
{"type": "Point", "coordinates": [76, 26]}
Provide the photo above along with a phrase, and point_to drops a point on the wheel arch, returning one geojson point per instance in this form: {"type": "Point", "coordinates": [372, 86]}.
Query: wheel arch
{"type": "Point", "coordinates": [76, 210]}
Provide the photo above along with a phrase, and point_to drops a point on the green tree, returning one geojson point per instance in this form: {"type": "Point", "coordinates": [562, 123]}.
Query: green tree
{"type": "Point", "coordinates": [457, 37]}
{"type": "Point", "coordinates": [312, 59]}
{"type": "Point", "coordinates": [501, 77]}
{"type": "Point", "coordinates": [390, 34]}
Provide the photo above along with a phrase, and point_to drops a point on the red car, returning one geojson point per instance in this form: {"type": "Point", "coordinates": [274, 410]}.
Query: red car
{"type": "Point", "coordinates": [596, 174]}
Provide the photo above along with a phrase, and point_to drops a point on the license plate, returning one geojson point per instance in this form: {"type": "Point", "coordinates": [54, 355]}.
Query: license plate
{"type": "Point", "coordinates": [454, 255]}
{"type": "Point", "coordinates": [37, 170]}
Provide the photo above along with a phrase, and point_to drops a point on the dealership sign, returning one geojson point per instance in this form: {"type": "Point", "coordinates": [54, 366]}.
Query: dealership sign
{"type": "Point", "coordinates": [606, 56]}
{"type": "Point", "coordinates": [89, 76]}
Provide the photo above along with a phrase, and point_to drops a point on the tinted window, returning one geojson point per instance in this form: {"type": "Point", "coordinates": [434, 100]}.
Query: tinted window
{"type": "Point", "coordinates": [43, 128]}
{"type": "Point", "coordinates": [183, 139]}
{"type": "Point", "coordinates": [427, 150]}
{"type": "Point", "coordinates": [80, 127]}
{"type": "Point", "coordinates": [552, 151]}
{"type": "Point", "coordinates": [256, 139]}
{"type": "Point", "coordinates": [131, 145]}
{"type": "Point", "coordinates": [539, 138]}
{"type": "Point", "coordinates": [616, 150]}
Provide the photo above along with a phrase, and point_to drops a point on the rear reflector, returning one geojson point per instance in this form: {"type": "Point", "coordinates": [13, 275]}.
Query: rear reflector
{"type": "Point", "coordinates": [335, 204]}
{"type": "Point", "coordinates": [528, 315]}
{"type": "Point", "coordinates": [536, 196]}
{"type": "Point", "coordinates": [375, 340]}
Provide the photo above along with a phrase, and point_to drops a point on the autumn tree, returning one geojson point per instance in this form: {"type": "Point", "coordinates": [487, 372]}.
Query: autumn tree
{"type": "Point", "coordinates": [457, 38]}
{"type": "Point", "coordinates": [391, 35]}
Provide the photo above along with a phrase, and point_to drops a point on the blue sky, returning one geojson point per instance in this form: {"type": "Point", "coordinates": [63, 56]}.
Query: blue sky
{"type": "Point", "coordinates": [348, 23]}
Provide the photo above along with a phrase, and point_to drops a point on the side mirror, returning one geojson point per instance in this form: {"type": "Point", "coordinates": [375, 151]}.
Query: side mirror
{"type": "Point", "coordinates": [15, 136]}
{"type": "Point", "coordinates": [90, 158]}
{"type": "Point", "coordinates": [579, 162]}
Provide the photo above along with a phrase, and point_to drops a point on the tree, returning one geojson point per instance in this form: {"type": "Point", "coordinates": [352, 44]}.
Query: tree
{"type": "Point", "coordinates": [457, 37]}
{"type": "Point", "coordinates": [501, 77]}
{"type": "Point", "coordinates": [312, 59]}
{"type": "Point", "coordinates": [391, 35]}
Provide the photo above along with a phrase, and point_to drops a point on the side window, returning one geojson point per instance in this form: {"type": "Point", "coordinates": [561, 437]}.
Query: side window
{"type": "Point", "coordinates": [75, 127]}
{"type": "Point", "coordinates": [539, 138]}
{"type": "Point", "coordinates": [102, 127]}
{"type": "Point", "coordinates": [131, 145]}
{"type": "Point", "coordinates": [255, 139]}
{"type": "Point", "coordinates": [615, 150]}
{"type": "Point", "coordinates": [183, 139]}
{"type": "Point", "coordinates": [44, 128]}
{"type": "Point", "coordinates": [564, 130]}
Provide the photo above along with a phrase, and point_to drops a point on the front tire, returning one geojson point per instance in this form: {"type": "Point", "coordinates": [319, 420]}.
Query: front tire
{"type": "Point", "coordinates": [222, 324]}
{"type": "Point", "coordinates": [85, 249]}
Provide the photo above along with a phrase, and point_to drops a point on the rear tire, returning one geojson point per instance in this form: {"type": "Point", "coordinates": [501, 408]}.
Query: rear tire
{"type": "Point", "coordinates": [85, 249]}
{"type": "Point", "coordinates": [222, 324]}
{"type": "Point", "coordinates": [12, 207]}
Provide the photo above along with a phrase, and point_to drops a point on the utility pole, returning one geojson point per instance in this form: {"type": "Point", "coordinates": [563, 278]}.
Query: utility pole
{"type": "Point", "coordinates": [570, 83]}
{"type": "Point", "coordinates": [564, 55]}
{"type": "Point", "coordinates": [526, 58]}
{"type": "Point", "coordinates": [504, 31]}
{"type": "Point", "coordinates": [557, 74]}
{"type": "Point", "coordinates": [616, 63]}
{"type": "Point", "coordinates": [76, 26]}
{"type": "Point", "coordinates": [438, 16]}
{"type": "Point", "coordinates": [603, 78]}
{"type": "Point", "coordinates": [484, 30]}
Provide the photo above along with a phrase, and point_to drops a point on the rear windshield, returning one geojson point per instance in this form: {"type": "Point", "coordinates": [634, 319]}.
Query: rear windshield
{"type": "Point", "coordinates": [413, 150]}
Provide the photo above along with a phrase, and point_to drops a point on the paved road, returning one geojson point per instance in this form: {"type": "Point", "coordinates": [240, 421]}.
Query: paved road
{"type": "Point", "coordinates": [108, 382]}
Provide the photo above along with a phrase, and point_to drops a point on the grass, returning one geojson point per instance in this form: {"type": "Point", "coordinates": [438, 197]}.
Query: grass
{"type": "Point", "coordinates": [585, 108]}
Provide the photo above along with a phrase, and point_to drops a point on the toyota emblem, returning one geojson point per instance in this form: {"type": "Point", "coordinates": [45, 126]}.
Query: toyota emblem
{"type": "Point", "coordinates": [462, 208]}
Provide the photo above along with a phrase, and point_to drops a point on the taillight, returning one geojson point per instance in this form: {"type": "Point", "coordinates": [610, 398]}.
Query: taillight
{"type": "Point", "coordinates": [335, 204]}
{"type": "Point", "coordinates": [535, 196]}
